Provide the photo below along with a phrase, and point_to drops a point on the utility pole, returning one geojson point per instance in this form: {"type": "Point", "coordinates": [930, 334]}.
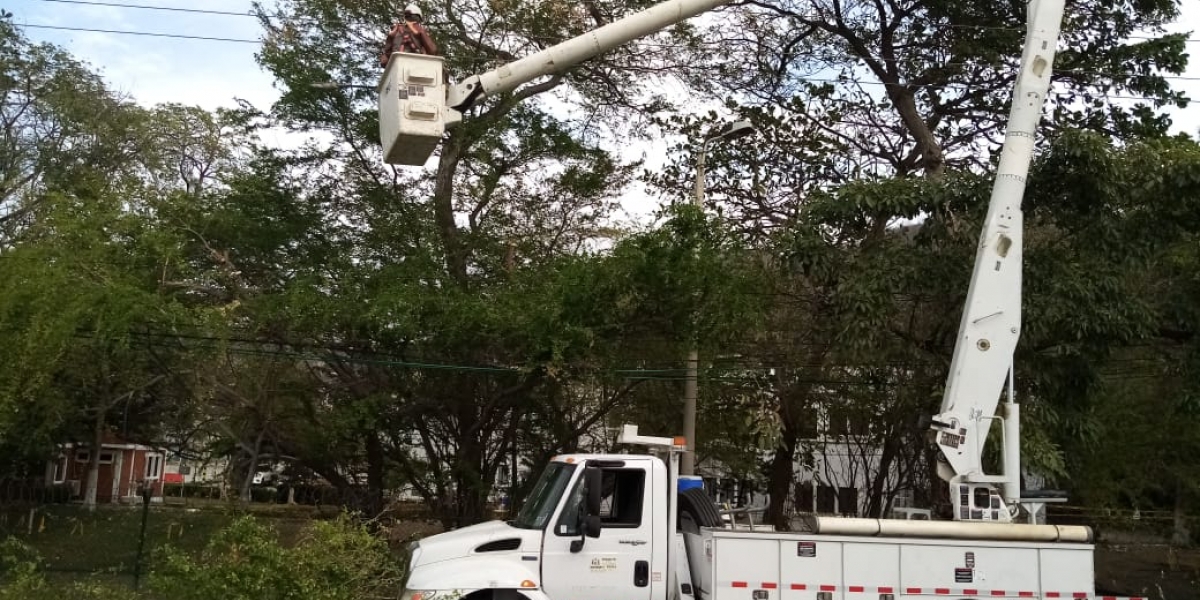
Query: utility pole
{"type": "Point", "coordinates": [687, 465]}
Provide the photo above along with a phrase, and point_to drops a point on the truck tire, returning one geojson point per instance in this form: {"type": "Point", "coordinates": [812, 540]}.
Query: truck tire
{"type": "Point", "coordinates": [699, 508]}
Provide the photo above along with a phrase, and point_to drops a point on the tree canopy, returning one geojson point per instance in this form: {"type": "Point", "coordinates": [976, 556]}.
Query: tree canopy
{"type": "Point", "coordinates": [446, 330]}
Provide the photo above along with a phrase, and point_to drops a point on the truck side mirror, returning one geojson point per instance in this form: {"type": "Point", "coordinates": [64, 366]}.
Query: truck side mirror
{"type": "Point", "coordinates": [589, 517]}
{"type": "Point", "coordinates": [591, 526]}
{"type": "Point", "coordinates": [592, 477]}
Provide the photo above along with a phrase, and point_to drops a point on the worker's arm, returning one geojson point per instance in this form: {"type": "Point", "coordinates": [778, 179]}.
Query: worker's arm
{"type": "Point", "coordinates": [389, 45]}
{"type": "Point", "coordinates": [427, 40]}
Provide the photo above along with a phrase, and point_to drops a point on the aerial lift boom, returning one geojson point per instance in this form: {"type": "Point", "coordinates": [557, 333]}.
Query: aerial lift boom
{"type": "Point", "coordinates": [416, 106]}
{"type": "Point", "coordinates": [991, 320]}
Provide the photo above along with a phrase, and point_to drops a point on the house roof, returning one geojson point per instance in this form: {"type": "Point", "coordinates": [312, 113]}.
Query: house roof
{"type": "Point", "coordinates": [110, 441]}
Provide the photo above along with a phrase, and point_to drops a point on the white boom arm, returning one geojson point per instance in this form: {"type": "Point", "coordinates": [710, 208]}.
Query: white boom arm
{"type": "Point", "coordinates": [415, 106]}
{"type": "Point", "coordinates": [991, 319]}
{"type": "Point", "coordinates": [575, 50]}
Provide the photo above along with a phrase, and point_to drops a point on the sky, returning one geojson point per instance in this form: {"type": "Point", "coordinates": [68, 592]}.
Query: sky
{"type": "Point", "coordinates": [214, 73]}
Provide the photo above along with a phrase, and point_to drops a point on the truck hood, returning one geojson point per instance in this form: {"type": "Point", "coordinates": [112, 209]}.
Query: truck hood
{"type": "Point", "coordinates": [490, 538]}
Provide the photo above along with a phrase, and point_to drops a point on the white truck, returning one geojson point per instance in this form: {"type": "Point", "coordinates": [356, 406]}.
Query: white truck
{"type": "Point", "coordinates": [618, 527]}
{"type": "Point", "coordinates": [614, 527]}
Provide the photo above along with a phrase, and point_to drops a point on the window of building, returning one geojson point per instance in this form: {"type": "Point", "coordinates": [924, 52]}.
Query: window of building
{"type": "Point", "coordinates": [153, 466]}
{"type": "Point", "coordinates": [826, 499]}
{"type": "Point", "coordinates": [805, 496]}
{"type": "Point", "coordinates": [60, 469]}
{"type": "Point", "coordinates": [106, 457]}
{"type": "Point", "coordinates": [848, 501]}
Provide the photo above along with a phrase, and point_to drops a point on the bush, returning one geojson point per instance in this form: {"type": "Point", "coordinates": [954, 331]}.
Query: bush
{"type": "Point", "coordinates": [21, 579]}
{"type": "Point", "coordinates": [33, 492]}
{"type": "Point", "coordinates": [262, 494]}
{"type": "Point", "coordinates": [334, 560]}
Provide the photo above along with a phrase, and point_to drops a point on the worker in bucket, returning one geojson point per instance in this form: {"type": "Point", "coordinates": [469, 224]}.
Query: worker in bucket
{"type": "Point", "coordinates": [409, 35]}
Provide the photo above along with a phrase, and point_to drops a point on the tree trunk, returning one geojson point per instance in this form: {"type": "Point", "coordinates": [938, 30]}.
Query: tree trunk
{"type": "Point", "coordinates": [876, 503]}
{"type": "Point", "coordinates": [252, 467]}
{"type": "Point", "coordinates": [1180, 534]}
{"type": "Point", "coordinates": [779, 488]}
{"type": "Point", "coordinates": [932, 159]}
{"type": "Point", "coordinates": [374, 504]}
{"type": "Point", "coordinates": [93, 475]}
{"type": "Point", "coordinates": [443, 206]}
{"type": "Point", "coordinates": [470, 489]}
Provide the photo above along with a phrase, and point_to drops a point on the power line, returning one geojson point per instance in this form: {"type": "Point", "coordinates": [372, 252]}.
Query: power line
{"type": "Point", "coordinates": [143, 33]}
{"type": "Point", "coordinates": [249, 14]}
{"type": "Point", "coordinates": [148, 7]}
{"type": "Point", "coordinates": [809, 79]}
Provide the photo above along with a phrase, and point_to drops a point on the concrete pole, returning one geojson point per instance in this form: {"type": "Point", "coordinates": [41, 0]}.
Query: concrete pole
{"type": "Point", "coordinates": [687, 464]}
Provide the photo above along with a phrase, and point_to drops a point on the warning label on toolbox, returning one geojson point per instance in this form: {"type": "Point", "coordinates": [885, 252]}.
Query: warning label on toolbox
{"type": "Point", "coordinates": [964, 575]}
{"type": "Point", "coordinates": [806, 549]}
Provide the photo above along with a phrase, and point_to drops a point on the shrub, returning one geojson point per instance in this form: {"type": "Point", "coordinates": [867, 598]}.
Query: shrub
{"type": "Point", "coordinates": [21, 579]}
{"type": "Point", "coordinates": [334, 560]}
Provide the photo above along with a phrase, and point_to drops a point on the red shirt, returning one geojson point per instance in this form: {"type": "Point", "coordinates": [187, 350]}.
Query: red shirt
{"type": "Point", "coordinates": [407, 36]}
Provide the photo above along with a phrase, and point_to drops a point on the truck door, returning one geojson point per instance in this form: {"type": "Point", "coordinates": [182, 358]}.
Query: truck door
{"type": "Point", "coordinates": [617, 564]}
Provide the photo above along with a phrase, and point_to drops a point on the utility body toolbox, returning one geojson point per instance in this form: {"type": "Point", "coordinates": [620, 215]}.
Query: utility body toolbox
{"type": "Point", "coordinates": [737, 565]}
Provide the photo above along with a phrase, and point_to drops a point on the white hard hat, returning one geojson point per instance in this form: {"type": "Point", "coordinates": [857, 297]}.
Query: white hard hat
{"type": "Point", "coordinates": [413, 9]}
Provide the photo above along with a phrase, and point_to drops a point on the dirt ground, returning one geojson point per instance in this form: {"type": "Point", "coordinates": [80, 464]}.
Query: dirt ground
{"type": "Point", "coordinates": [1157, 572]}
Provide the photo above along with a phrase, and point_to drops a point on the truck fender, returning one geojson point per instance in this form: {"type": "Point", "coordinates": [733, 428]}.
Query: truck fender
{"type": "Point", "coordinates": [478, 575]}
{"type": "Point", "coordinates": [507, 594]}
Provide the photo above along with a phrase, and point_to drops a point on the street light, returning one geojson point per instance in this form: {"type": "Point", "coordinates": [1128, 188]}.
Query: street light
{"type": "Point", "coordinates": [687, 466]}
{"type": "Point", "coordinates": [732, 131]}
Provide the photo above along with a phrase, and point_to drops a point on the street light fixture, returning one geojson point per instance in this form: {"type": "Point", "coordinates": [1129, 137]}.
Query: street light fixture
{"type": "Point", "coordinates": [687, 466]}
{"type": "Point", "coordinates": [732, 131]}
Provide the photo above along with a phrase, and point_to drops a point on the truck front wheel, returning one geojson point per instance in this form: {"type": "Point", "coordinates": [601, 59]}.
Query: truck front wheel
{"type": "Point", "coordinates": [496, 595]}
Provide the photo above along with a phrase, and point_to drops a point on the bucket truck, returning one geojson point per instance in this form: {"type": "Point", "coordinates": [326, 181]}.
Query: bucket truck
{"type": "Point", "coordinates": [624, 526]}
{"type": "Point", "coordinates": [416, 107]}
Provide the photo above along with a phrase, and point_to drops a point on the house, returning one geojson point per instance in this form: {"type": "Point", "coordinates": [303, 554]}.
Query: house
{"type": "Point", "coordinates": [123, 465]}
{"type": "Point", "coordinates": [181, 469]}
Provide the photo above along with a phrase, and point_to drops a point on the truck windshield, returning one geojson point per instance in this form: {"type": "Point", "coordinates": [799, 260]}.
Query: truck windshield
{"type": "Point", "coordinates": [545, 495]}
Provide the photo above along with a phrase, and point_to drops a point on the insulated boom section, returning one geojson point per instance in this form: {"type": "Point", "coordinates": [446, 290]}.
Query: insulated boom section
{"type": "Point", "coordinates": [575, 50]}
{"type": "Point", "coordinates": [991, 319]}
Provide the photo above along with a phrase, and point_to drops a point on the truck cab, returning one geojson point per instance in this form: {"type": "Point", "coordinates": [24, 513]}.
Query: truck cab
{"type": "Point", "coordinates": [593, 528]}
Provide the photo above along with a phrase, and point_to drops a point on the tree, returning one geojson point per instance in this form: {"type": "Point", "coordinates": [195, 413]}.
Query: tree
{"type": "Point", "coordinates": [457, 266]}
{"type": "Point", "coordinates": [923, 85]}
{"type": "Point", "coordinates": [72, 314]}
{"type": "Point", "coordinates": [58, 122]}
